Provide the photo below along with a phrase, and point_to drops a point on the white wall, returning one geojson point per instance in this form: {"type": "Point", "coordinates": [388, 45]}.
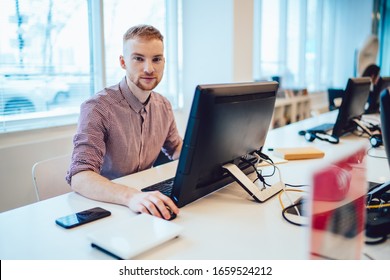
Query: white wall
{"type": "Point", "coordinates": [217, 43]}
{"type": "Point", "coordinates": [207, 44]}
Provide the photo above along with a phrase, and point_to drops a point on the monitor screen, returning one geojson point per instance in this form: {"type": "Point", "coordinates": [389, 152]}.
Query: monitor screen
{"type": "Point", "coordinates": [226, 122]}
{"type": "Point", "coordinates": [373, 98]}
{"type": "Point", "coordinates": [352, 105]}
{"type": "Point", "coordinates": [385, 120]}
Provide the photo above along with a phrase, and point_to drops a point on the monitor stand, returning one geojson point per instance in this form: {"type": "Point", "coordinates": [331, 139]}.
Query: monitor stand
{"type": "Point", "coordinates": [258, 193]}
{"type": "Point", "coordinates": [360, 124]}
{"type": "Point", "coordinates": [378, 190]}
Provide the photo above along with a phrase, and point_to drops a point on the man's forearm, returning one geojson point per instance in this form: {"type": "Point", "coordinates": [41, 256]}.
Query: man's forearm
{"type": "Point", "coordinates": [97, 187]}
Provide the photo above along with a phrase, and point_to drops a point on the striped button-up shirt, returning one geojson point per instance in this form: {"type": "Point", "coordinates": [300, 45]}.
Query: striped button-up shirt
{"type": "Point", "coordinates": [118, 135]}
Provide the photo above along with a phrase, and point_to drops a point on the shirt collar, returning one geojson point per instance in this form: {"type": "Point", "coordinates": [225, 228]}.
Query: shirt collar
{"type": "Point", "coordinates": [133, 101]}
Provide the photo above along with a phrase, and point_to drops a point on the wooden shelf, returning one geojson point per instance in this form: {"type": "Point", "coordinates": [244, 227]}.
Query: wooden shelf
{"type": "Point", "coordinates": [291, 109]}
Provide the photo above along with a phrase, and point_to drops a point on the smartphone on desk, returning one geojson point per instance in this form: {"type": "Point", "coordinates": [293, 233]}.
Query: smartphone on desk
{"type": "Point", "coordinates": [83, 217]}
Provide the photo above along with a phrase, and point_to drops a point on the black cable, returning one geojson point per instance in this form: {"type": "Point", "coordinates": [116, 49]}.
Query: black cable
{"type": "Point", "coordinates": [272, 174]}
{"type": "Point", "coordinates": [259, 176]}
{"type": "Point", "coordinates": [371, 127]}
{"type": "Point", "coordinates": [296, 186]}
{"type": "Point", "coordinates": [332, 140]}
{"type": "Point", "coordinates": [265, 158]}
{"type": "Point", "coordinates": [368, 153]}
{"type": "Point", "coordinates": [376, 242]}
{"type": "Point", "coordinates": [320, 135]}
{"type": "Point", "coordinates": [288, 208]}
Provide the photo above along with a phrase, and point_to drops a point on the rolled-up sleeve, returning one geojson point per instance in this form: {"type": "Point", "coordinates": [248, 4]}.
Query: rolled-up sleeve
{"type": "Point", "coordinates": [89, 145]}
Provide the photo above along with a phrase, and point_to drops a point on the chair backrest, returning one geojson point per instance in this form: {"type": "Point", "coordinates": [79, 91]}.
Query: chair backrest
{"type": "Point", "coordinates": [49, 177]}
{"type": "Point", "coordinates": [333, 95]}
{"type": "Point", "coordinates": [161, 159]}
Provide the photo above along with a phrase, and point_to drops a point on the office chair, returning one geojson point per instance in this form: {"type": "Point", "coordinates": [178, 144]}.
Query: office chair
{"type": "Point", "coordinates": [161, 159]}
{"type": "Point", "coordinates": [49, 177]}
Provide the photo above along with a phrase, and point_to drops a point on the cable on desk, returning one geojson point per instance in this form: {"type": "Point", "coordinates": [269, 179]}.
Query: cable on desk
{"type": "Point", "coordinates": [284, 211]}
{"type": "Point", "coordinates": [368, 128]}
{"type": "Point", "coordinates": [293, 205]}
{"type": "Point", "coordinates": [296, 186]}
{"type": "Point", "coordinates": [378, 205]}
{"type": "Point", "coordinates": [266, 159]}
{"type": "Point", "coordinates": [380, 240]}
{"type": "Point", "coordinates": [371, 155]}
{"type": "Point", "coordinates": [263, 157]}
{"type": "Point", "coordinates": [272, 174]}
{"type": "Point", "coordinates": [368, 256]}
{"type": "Point", "coordinates": [259, 176]}
{"type": "Point", "coordinates": [286, 190]}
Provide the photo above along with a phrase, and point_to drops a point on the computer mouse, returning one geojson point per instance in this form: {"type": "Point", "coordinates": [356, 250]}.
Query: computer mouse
{"type": "Point", "coordinates": [173, 215]}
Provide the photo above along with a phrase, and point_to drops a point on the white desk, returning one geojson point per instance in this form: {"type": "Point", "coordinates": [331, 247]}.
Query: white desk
{"type": "Point", "coordinates": [223, 225]}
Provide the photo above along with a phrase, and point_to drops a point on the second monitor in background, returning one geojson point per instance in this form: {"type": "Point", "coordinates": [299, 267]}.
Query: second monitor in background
{"type": "Point", "coordinates": [372, 106]}
{"type": "Point", "coordinates": [352, 106]}
{"type": "Point", "coordinates": [349, 114]}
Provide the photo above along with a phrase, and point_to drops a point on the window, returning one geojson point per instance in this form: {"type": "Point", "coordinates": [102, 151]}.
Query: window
{"type": "Point", "coordinates": [54, 55]}
{"type": "Point", "coordinates": [309, 43]}
{"type": "Point", "coordinates": [382, 16]}
{"type": "Point", "coordinates": [44, 62]}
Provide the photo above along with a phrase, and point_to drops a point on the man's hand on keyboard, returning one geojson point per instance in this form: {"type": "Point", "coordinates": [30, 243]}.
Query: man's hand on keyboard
{"type": "Point", "coordinates": [153, 203]}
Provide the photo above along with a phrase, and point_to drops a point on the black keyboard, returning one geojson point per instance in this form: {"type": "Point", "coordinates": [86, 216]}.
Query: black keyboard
{"type": "Point", "coordinates": [322, 127]}
{"type": "Point", "coordinates": [164, 187]}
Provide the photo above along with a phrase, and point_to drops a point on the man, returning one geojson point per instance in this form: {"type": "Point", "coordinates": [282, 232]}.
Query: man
{"type": "Point", "coordinates": [122, 129]}
{"type": "Point", "coordinates": [372, 71]}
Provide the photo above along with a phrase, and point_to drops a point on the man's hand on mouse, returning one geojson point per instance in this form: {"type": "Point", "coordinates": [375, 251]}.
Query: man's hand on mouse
{"type": "Point", "coordinates": [154, 203]}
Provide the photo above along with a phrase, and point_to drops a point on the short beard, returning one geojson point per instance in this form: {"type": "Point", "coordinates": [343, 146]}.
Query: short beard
{"type": "Point", "coordinates": [154, 85]}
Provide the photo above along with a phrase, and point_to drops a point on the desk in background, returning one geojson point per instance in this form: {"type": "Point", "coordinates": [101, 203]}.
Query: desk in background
{"type": "Point", "coordinates": [222, 225]}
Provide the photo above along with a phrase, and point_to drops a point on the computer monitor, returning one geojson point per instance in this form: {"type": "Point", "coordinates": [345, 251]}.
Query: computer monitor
{"type": "Point", "coordinates": [352, 106]}
{"type": "Point", "coordinates": [385, 120]}
{"type": "Point", "coordinates": [378, 218]}
{"type": "Point", "coordinates": [226, 122]}
{"type": "Point", "coordinates": [373, 98]}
